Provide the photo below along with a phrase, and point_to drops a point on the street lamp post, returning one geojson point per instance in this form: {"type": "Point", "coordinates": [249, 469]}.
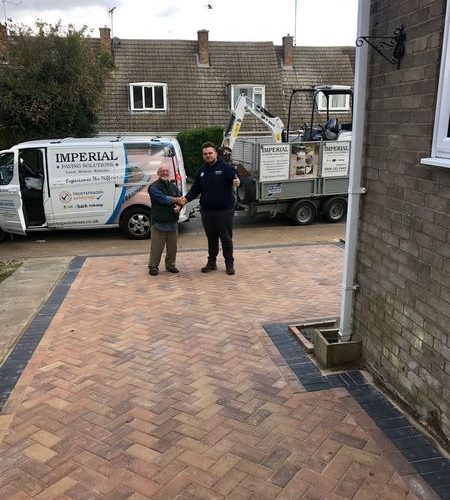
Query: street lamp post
{"type": "Point", "coordinates": [111, 13]}
{"type": "Point", "coordinates": [4, 2]}
{"type": "Point", "coordinates": [295, 23]}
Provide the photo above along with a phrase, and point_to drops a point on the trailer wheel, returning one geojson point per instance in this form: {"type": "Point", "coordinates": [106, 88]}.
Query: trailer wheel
{"type": "Point", "coordinates": [2, 235]}
{"type": "Point", "coordinates": [246, 192]}
{"type": "Point", "coordinates": [135, 223]}
{"type": "Point", "coordinates": [335, 209]}
{"type": "Point", "coordinates": [303, 213]}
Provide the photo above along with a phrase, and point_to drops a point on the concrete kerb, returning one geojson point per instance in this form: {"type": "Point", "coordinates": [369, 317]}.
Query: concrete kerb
{"type": "Point", "coordinates": [23, 294]}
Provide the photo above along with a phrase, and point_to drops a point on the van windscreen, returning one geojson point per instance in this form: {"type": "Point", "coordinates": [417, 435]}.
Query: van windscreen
{"type": "Point", "coordinates": [144, 161]}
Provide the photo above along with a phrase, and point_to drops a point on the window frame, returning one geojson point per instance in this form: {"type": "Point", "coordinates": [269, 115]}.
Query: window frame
{"type": "Point", "coordinates": [235, 88]}
{"type": "Point", "coordinates": [2, 176]}
{"type": "Point", "coordinates": [322, 103]}
{"type": "Point", "coordinates": [440, 148]}
{"type": "Point", "coordinates": [144, 85]}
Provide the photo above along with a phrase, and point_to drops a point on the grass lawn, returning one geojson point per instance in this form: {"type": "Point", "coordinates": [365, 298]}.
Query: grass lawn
{"type": "Point", "coordinates": [7, 268]}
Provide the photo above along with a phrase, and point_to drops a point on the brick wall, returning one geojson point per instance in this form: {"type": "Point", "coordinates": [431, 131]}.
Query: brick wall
{"type": "Point", "coordinates": [402, 309]}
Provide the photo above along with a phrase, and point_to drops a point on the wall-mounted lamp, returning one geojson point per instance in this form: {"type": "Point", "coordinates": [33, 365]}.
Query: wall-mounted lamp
{"type": "Point", "coordinates": [379, 43]}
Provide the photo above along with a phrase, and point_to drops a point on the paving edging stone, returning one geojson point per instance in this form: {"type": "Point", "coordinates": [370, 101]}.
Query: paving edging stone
{"type": "Point", "coordinates": [64, 272]}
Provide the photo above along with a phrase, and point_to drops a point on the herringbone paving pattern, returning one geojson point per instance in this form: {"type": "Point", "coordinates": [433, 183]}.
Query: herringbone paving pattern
{"type": "Point", "coordinates": [168, 387]}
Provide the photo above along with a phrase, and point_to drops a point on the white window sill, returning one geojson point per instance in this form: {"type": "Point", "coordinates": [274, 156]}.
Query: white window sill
{"type": "Point", "coordinates": [148, 110]}
{"type": "Point", "coordinates": [332, 111]}
{"type": "Point", "coordinates": [436, 162]}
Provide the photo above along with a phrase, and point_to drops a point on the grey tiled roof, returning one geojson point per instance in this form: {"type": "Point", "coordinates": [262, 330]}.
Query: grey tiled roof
{"type": "Point", "coordinates": [314, 66]}
{"type": "Point", "coordinates": [198, 96]}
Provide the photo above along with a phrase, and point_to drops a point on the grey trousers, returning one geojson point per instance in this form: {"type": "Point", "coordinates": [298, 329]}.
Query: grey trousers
{"type": "Point", "coordinates": [159, 240]}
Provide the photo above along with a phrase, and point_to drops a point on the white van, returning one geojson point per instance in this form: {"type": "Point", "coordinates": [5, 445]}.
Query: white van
{"type": "Point", "coordinates": [85, 183]}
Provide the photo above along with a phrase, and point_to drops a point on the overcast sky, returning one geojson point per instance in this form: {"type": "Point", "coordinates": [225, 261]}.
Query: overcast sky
{"type": "Point", "coordinates": [319, 22]}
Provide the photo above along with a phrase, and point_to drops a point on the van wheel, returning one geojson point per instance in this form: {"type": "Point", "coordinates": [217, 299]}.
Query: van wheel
{"type": "Point", "coordinates": [135, 223]}
{"type": "Point", "coordinates": [246, 192]}
{"type": "Point", "coordinates": [335, 209]}
{"type": "Point", "coordinates": [303, 213]}
{"type": "Point", "coordinates": [2, 235]}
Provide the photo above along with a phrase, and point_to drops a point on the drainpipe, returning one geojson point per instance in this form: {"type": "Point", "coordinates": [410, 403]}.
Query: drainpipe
{"type": "Point", "coordinates": [354, 188]}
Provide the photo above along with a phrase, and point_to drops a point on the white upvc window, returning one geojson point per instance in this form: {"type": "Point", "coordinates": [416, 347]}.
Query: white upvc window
{"type": "Point", "coordinates": [440, 150]}
{"type": "Point", "coordinates": [255, 92]}
{"type": "Point", "coordinates": [337, 102]}
{"type": "Point", "coordinates": [148, 96]}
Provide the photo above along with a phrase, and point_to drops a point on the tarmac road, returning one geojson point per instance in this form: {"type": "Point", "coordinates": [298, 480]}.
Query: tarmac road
{"type": "Point", "coordinates": [249, 232]}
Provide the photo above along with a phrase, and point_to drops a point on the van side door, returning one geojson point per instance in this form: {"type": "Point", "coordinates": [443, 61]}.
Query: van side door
{"type": "Point", "coordinates": [11, 208]}
{"type": "Point", "coordinates": [82, 183]}
{"type": "Point", "coordinates": [33, 186]}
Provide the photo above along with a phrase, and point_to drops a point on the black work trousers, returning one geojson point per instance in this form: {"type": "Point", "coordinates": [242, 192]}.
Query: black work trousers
{"type": "Point", "coordinates": [219, 225]}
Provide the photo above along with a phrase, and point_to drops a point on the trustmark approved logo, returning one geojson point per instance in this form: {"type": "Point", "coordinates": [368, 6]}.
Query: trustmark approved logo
{"type": "Point", "coordinates": [65, 197]}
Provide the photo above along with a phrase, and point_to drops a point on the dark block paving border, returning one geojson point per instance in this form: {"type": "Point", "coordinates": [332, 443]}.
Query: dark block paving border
{"type": "Point", "coordinates": [417, 449]}
{"type": "Point", "coordinates": [15, 363]}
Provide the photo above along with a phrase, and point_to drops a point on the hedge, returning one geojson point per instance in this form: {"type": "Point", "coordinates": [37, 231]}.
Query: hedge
{"type": "Point", "coordinates": [9, 138]}
{"type": "Point", "coordinates": [191, 145]}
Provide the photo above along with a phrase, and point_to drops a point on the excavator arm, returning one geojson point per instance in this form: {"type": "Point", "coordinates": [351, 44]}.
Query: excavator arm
{"type": "Point", "coordinates": [244, 104]}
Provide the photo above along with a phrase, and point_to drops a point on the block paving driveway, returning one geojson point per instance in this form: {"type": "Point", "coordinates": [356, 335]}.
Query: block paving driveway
{"type": "Point", "coordinates": [169, 387]}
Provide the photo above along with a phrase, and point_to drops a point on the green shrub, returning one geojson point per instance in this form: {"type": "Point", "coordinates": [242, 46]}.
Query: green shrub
{"type": "Point", "coordinates": [8, 138]}
{"type": "Point", "coordinates": [191, 145]}
{"type": "Point", "coordinates": [53, 85]}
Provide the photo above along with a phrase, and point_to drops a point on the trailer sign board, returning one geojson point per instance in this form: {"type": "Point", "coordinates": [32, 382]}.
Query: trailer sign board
{"type": "Point", "coordinates": [274, 165]}
{"type": "Point", "coordinates": [335, 158]}
{"type": "Point", "coordinates": [274, 189]}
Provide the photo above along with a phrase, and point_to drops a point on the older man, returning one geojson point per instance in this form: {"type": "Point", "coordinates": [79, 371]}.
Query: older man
{"type": "Point", "coordinates": [164, 223]}
{"type": "Point", "coordinates": [215, 182]}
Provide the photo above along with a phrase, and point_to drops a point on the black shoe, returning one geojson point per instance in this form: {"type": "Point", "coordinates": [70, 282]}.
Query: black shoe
{"type": "Point", "coordinates": [153, 271]}
{"type": "Point", "coordinates": [208, 268]}
{"type": "Point", "coordinates": [230, 270]}
{"type": "Point", "coordinates": [172, 269]}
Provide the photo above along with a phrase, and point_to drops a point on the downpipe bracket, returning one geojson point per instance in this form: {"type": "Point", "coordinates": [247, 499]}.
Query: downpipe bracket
{"type": "Point", "coordinates": [354, 288]}
{"type": "Point", "coordinates": [361, 190]}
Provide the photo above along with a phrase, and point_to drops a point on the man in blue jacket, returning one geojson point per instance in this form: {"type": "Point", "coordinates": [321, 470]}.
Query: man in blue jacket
{"type": "Point", "coordinates": [215, 182]}
{"type": "Point", "coordinates": [164, 224]}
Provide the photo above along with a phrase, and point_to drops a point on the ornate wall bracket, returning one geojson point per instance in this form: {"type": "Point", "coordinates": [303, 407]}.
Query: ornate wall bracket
{"type": "Point", "coordinates": [380, 43]}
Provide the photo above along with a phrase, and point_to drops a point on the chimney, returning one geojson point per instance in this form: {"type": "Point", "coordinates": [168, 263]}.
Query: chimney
{"type": "Point", "coordinates": [3, 43]}
{"type": "Point", "coordinates": [288, 51]}
{"type": "Point", "coordinates": [105, 41]}
{"type": "Point", "coordinates": [203, 50]}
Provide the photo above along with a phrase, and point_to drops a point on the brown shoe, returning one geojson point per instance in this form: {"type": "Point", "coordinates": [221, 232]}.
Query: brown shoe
{"type": "Point", "coordinates": [208, 268]}
{"type": "Point", "coordinates": [230, 270]}
{"type": "Point", "coordinates": [153, 271]}
{"type": "Point", "coordinates": [172, 269]}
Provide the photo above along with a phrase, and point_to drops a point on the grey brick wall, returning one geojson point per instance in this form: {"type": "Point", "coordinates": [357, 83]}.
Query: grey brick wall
{"type": "Point", "coordinates": [402, 309]}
